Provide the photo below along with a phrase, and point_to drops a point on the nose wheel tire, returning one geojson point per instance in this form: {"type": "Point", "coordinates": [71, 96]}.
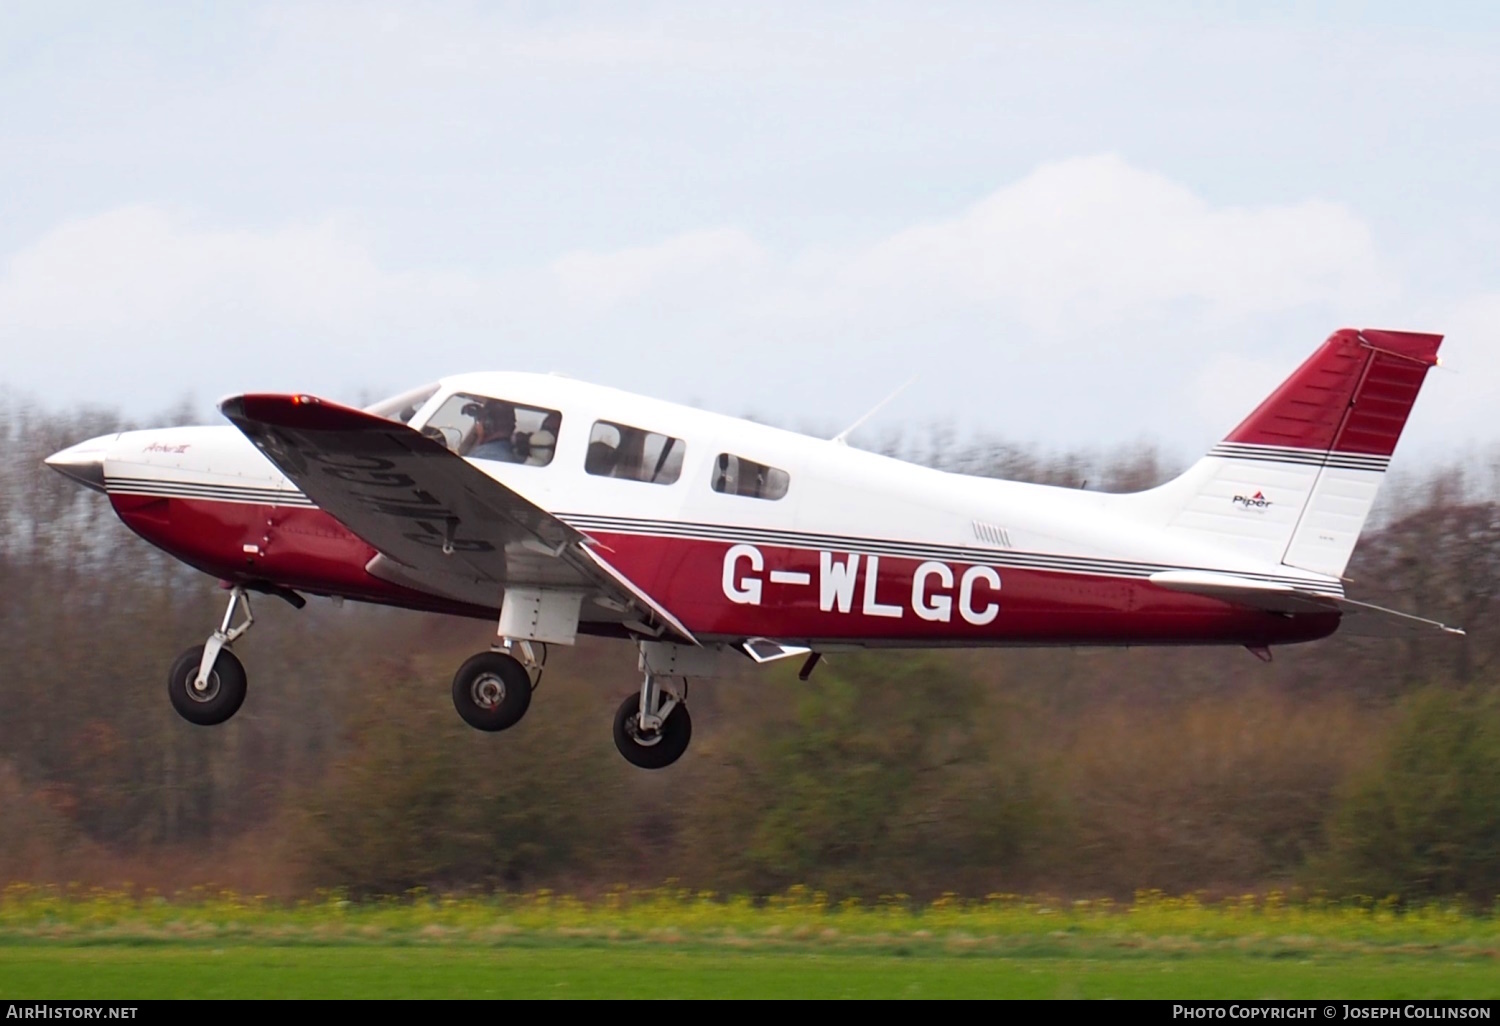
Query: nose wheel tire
{"type": "Point", "coordinates": [651, 749]}
{"type": "Point", "coordinates": [491, 691]}
{"type": "Point", "coordinates": [218, 700]}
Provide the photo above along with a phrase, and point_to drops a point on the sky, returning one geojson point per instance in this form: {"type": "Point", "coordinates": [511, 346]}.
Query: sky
{"type": "Point", "coordinates": [1075, 224]}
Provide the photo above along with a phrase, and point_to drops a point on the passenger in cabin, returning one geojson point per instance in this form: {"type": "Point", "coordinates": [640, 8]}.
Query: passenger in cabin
{"type": "Point", "coordinates": [494, 432]}
{"type": "Point", "coordinates": [542, 442]}
{"type": "Point", "coordinates": [604, 450]}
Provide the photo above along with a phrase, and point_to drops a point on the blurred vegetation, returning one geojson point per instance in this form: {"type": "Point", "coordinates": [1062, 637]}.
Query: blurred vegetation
{"type": "Point", "coordinates": [1351, 767]}
{"type": "Point", "coordinates": [1423, 820]}
{"type": "Point", "coordinates": [82, 944]}
{"type": "Point", "coordinates": [1273, 923]}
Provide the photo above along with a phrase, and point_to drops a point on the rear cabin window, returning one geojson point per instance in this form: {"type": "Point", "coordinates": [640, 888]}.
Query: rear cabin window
{"type": "Point", "coordinates": [484, 428]}
{"type": "Point", "coordinates": [735, 475]}
{"type": "Point", "coordinates": [633, 454]}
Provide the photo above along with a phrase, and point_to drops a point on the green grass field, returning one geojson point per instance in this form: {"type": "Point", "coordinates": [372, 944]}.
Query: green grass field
{"type": "Point", "coordinates": [450, 971]}
{"type": "Point", "coordinates": [667, 943]}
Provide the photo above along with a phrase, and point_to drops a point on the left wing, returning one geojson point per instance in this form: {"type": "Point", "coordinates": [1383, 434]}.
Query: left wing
{"type": "Point", "coordinates": [1358, 617]}
{"type": "Point", "coordinates": [439, 523]}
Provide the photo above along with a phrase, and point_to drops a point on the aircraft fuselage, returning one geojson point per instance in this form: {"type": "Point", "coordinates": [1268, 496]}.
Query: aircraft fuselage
{"type": "Point", "coordinates": [861, 550]}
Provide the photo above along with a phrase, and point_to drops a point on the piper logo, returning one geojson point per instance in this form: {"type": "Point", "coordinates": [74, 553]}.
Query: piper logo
{"type": "Point", "coordinates": [1256, 501]}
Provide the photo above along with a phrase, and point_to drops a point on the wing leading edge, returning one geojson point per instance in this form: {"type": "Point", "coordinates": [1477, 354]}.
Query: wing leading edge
{"type": "Point", "coordinates": [440, 524]}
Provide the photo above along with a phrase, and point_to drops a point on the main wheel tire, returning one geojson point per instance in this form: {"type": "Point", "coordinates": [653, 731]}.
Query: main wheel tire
{"type": "Point", "coordinates": [651, 751]}
{"type": "Point", "coordinates": [217, 702]}
{"type": "Point", "coordinates": [491, 691]}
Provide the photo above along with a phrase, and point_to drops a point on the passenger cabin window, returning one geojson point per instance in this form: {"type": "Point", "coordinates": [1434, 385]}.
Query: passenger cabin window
{"type": "Point", "coordinates": [735, 475]}
{"type": "Point", "coordinates": [403, 407]}
{"type": "Point", "coordinates": [484, 428]}
{"type": "Point", "coordinates": [633, 454]}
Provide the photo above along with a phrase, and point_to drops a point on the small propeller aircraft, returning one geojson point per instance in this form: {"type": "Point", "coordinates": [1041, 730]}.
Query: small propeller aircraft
{"type": "Point", "coordinates": [557, 508]}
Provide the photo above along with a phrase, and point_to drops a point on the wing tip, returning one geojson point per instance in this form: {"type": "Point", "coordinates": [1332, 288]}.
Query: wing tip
{"type": "Point", "coordinates": [298, 410]}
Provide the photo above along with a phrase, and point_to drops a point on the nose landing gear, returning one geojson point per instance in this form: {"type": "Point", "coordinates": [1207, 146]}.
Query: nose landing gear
{"type": "Point", "coordinates": [207, 682]}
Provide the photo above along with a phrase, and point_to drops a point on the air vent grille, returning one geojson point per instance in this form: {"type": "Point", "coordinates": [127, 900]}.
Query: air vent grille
{"type": "Point", "coordinates": [992, 534]}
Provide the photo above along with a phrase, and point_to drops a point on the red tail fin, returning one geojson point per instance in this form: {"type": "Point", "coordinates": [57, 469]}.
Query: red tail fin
{"type": "Point", "coordinates": [1294, 483]}
{"type": "Point", "coordinates": [1353, 395]}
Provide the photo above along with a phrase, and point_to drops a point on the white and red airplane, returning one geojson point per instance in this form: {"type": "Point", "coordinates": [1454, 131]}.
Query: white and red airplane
{"type": "Point", "coordinates": [557, 508]}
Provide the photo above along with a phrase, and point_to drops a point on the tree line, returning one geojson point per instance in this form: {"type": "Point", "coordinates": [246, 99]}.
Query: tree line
{"type": "Point", "coordinates": [1356, 765]}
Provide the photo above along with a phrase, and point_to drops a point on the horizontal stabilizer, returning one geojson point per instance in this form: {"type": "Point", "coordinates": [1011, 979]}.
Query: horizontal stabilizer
{"type": "Point", "coordinates": [1359, 618]}
{"type": "Point", "coordinates": [1274, 598]}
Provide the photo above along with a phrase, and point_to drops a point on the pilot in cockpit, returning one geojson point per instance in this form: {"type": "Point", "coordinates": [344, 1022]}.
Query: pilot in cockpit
{"type": "Point", "coordinates": [494, 431]}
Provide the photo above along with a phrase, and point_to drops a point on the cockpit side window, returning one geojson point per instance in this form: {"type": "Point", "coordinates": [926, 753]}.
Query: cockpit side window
{"type": "Point", "coordinates": [633, 454]}
{"type": "Point", "coordinates": [485, 428]}
{"type": "Point", "coordinates": [735, 475]}
{"type": "Point", "coordinates": [402, 408]}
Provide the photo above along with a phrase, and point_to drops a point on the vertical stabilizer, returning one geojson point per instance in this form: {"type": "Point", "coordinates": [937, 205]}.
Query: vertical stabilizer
{"type": "Point", "coordinates": [1296, 480]}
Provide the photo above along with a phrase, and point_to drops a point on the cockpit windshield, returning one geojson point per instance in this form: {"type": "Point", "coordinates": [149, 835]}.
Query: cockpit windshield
{"type": "Point", "coordinates": [403, 407]}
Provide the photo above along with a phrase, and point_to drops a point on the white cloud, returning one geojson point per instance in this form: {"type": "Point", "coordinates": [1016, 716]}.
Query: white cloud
{"type": "Point", "coordinates": [145, 302]}
{"type": "Point", "coordinates": [685, 262]}
{"type": "Point", "coordinates": [1094, 240]}
{"type": "Point", "coordinates": [139, 268]}
{"type": "Point", "coordinates": [140, 305]}
{"type": "Point", "coordinates": [1073, 246]}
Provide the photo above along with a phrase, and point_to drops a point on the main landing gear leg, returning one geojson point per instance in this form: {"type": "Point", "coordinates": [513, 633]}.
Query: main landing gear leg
{"type": "Point", "coordinates": [492, 691]}
{"type": "Point", "coordinates": [207, 682]}
{"type": "Point", "coordinates": [653, 728]}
